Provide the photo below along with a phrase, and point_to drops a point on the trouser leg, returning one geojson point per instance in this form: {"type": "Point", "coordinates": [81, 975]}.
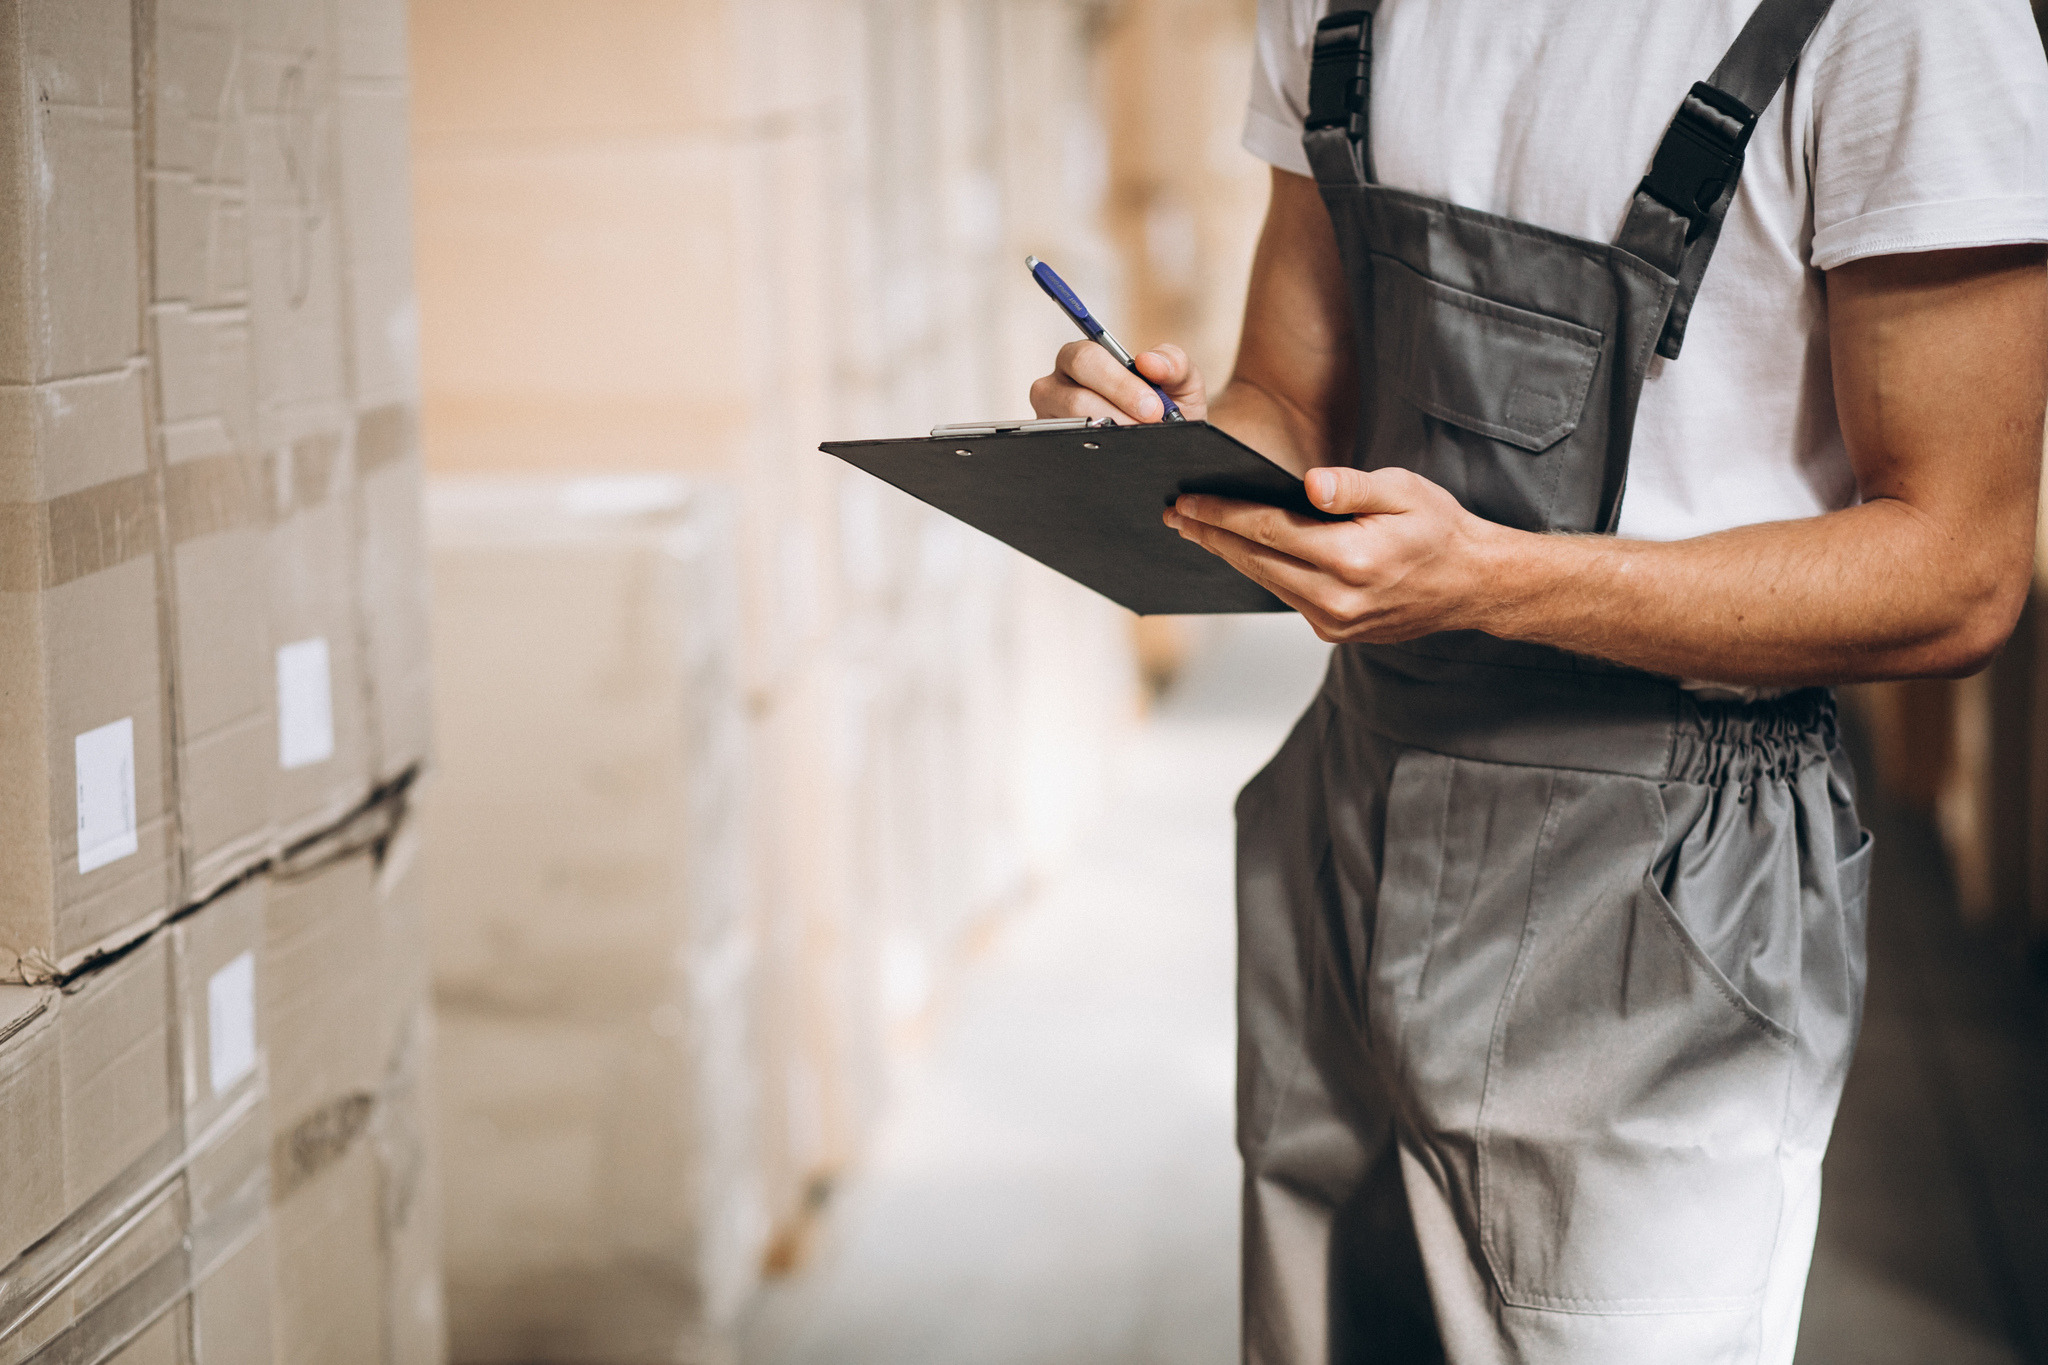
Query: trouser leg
{"type": "Point", "coordinates": [1536, 1065]}
{"type": "Point", "coordinates": [1331, 1269]}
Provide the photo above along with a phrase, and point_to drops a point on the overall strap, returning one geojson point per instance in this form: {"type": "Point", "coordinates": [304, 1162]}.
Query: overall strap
{"type": "Point", "coordinates": [1676, 217]}
{"type": "Point", "coordinates": [1337, 134]}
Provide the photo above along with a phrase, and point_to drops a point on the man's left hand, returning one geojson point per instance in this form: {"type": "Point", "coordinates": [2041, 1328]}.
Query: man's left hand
{"type": "Point", "coordinates": [1411, 561]}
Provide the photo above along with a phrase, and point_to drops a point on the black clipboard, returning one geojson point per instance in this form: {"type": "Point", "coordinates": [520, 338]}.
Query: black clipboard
{"type": "Point", "coordinates": [1086, 502]}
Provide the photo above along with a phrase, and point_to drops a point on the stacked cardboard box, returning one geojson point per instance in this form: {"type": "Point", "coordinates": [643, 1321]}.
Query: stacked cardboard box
{"type": "Point", "coordinates": [211, 597]}
{"type": "Point", "coordinates": [136, 1150]}
{"type": "Point", "coordinates": [85, 759]}
{"type": "Point", "coordinates": [344, 1012]}
{"type": "Point", "coordinates": [742, 228]}
{"type": "Point", "coordinates": [215, 1151]}
{"type": "Point", "coordinates": [593, 952]}
{"type": "Point", "coordinates": [206, 693]}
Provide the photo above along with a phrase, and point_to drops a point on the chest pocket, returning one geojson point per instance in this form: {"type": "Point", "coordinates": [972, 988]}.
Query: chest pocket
{"type": "Point", "coordinates": [1503, 372]}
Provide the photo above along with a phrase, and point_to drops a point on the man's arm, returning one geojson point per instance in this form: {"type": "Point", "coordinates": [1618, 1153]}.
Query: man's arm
{"type": "Point", "coordinates": [1940, 362]}
{"type": "Point", "coordinates": [1940, 365]}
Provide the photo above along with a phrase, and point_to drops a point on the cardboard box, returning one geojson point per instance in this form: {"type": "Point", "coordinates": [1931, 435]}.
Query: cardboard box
{"type": "Point", "coordinates": [142, 1184]}
{"type": "Point", "coordinates": [586, 857]}
{"type": "Point", "coordinates": [646, 66]}
{"type": "Point", "coordinates": [86, 865]}
{"type": "Point", "coordinates": [67, 190]}
{"type": "Point", "coordinates": [217, 501]}
{"type": "Point", "coordinates": [157, 1205]}
{"type": "Point", "coordinates": [84, 763]}
{"type": "Point", "coordinates": [350, 1156]}
{"type": "Point", "coordinates": [303, 415]}
{"type": "Point", "coordinates": [394, 592]}
{"type": "Point", "coordinates": [383, 379]}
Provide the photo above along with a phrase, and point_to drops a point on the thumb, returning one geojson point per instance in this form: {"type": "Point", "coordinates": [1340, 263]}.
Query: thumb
{"type": "Point", "coordinates": [1354, 492]}
{"type": "Point", "coordinates": [1168, 366]}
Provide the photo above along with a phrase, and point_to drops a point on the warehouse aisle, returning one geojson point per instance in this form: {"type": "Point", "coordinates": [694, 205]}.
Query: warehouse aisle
{"type": "Point", "coordinates": [1056, 1182]}
{"type": "Point", "coordinates": [1057, 1186]}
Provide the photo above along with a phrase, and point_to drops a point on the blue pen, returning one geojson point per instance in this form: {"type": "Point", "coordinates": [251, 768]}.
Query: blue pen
{"type": "Point", "coordinates": [1071, 303]}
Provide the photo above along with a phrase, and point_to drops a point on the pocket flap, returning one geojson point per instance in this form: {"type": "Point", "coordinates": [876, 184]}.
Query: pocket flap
{"type": "Point", "coordinates": [1504, 372]}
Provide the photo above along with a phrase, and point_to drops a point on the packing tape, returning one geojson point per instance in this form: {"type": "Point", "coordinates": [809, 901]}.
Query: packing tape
{"type": "Point", "coordinates": [219, 493]}
{"type": "Point", "coordinates": [100, 1227]}
{"type": "Point", "coordinates": [385, 436]}
{"type": "Point", "coordinates": [315, 464]}
{"type": "Point", "coordinates": [42, 1009]}
{"type": "Point", "coordinates": [399, 1125]}
{"type": "Point", "coordinates": [44, 545]}
{"type": "Point", "coordinates": [47, 544]}
{"type": "Point", "coordinates": [191, 1258]}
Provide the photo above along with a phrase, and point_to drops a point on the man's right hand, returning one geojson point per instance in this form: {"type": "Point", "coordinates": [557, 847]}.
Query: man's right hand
{"type": "Point", "coordinates": [1086, 381]}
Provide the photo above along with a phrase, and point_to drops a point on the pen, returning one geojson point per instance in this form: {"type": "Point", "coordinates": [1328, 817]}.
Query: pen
{"type": "Point", "coordinates": [1071, 304]}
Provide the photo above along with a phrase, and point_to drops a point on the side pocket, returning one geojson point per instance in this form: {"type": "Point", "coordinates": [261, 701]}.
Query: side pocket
{"type": "Point", "coordinates": [1852, 876]}
{"type": "Point", "coordinates": [1635, 1101]}
{"type": "Point", "coordinates": [1737, 1001]}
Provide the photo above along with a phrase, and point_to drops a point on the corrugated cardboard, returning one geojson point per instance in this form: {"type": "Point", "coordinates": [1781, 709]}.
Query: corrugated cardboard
{"type": "Point", "coordinates": [592, 946]}
{"type": "Point", "coordinates": [126, 1208]}
{"type": "Point", "coordinates": [80, 524]}
{"type": "Point", "coordinates": [217, 507]}
{"type": "Point", "coordinates": [31, 1116]}
{"type": "Point", "coordinates": [304, 424]}
{"type": "Point", "coordinates": [67, 189]}
{"type": "Point", "coordinates": [383, 379]}
{"type": "Point", "coordinates": [350, 1155]}
{"type": "Point", "coordinates": [78, 658]}
{"type": "Point", "coordinates": [102, 1146]}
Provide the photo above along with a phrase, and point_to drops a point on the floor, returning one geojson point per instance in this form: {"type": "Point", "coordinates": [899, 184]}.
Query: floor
{"type": "Point", "coordinates": [1056, 1184]}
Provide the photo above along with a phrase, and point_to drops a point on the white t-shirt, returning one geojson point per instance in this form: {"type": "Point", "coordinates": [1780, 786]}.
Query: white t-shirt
{"type": "Point", "coordinates": [1908, 125]}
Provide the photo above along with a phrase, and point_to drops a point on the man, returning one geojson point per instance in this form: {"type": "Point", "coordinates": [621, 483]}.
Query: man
{"type": "Point", "coordinates": [1638, 431]}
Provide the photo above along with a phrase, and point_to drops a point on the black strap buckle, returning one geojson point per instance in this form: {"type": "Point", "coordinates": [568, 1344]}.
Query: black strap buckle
{"type": "Point", "coordinates": [1700, 157]}
{"type": "Point", "coordinates": [1340, 75]}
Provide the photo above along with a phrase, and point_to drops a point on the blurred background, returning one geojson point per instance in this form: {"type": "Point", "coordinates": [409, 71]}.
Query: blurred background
{"type": "Point", "coordinates": [978, 1067]}
{"type": "Point", "coordinates": [607, 882]}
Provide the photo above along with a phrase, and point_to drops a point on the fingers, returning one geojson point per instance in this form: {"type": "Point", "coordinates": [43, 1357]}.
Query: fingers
{"type": "Point", "coordinates": [1301, 586]}
{"type": "Point", "coordinates": [1087, 381]}
{"type": "Point", "coordinates": [1093, 367]}
{"type": "Point", "coordinates": [1055, 395]}
{"type": "Point", "coordinates": [1168, 366]}
{"type": "Point", "coordinates": [1335, 555]}
{"type": "Point", "coordinates": [1356, 492]}
{"type": "Point", "coordinates": [1274, 527]}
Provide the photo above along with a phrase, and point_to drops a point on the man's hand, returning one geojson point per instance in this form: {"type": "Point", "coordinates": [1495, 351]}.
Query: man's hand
{"type": "Point", "coordinates": [1292, 396]}
{"type": "Point", "coordinates": [1411, 561]}
{"type": "Point", "coordinates": [1086, 381]}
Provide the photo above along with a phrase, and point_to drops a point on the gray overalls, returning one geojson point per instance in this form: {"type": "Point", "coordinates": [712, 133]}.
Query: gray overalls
{"type": "Point", "coordinates": [1549, 970]}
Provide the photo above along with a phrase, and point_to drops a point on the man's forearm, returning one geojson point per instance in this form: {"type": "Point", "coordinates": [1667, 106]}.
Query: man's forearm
{"type": "Point", "coordinates": [1849, 596]}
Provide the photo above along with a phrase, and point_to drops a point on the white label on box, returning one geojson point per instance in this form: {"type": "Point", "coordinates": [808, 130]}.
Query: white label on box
{"type": "Point", "coordinates": [305, 704]}
{"type": "Point", "coordinates": [231, 1023]}
{"type": "Point", "coordinates": [106, 794]}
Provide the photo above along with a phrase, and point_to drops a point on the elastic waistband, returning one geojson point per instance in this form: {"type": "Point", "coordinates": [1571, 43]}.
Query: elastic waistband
{"type": "Point", "coordinates": [1598, 721]}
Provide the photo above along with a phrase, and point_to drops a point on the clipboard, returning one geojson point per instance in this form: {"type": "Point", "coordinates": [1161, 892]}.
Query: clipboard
{"type": "Point", "coordinates": [1085, 501]}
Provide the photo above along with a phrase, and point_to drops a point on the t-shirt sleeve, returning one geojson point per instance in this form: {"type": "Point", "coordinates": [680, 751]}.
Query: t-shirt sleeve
{"type": "Point", "coordinates": [1279, 102]}
{"type": "Point", "coordinates": [1930, 127]}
